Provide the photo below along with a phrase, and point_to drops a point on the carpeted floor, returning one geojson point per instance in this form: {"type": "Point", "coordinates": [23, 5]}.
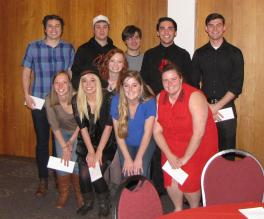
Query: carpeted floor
{"type": "Point", "coordinates": [18, 182]}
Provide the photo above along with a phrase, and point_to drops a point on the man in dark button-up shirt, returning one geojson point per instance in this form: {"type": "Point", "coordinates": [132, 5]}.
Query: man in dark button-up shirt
{"type": "Point", "coordinates": [167, 49]}
{"type": "Point", "coordinates": [218, 67]}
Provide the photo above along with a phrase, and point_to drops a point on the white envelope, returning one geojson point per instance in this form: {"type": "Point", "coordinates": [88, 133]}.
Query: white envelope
{"type": "Point", "coordinates": [57, 164]}
{"type": "Point", "coordinates": [178, 174]}
{"type": "Point", "coordinates": [227, 113]}
{"type": "Point", "coordinates": [95, 172]}
{"type": "Point", "coordinates": [253, 213]}
{"type": "Point", "coordinates": [39, 102]}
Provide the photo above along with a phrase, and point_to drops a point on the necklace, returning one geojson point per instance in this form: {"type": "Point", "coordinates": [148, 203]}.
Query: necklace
{"type": "Point", "coordinates": [111, 85]}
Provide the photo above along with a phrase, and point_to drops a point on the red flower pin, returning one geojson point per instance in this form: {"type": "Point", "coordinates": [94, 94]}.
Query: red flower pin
{"type": "Point", "coordinates": [162, 64]}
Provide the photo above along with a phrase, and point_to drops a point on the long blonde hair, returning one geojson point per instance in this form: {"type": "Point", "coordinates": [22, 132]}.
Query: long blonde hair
{"type": "Point", "coordinates": [53, 95]}
{"type": "Point", "coordinates": [82, 98]}
{"type": "Point", "coordinates": [123, 103]}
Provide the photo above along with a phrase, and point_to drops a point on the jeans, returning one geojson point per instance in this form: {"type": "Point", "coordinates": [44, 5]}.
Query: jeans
{"type": "Point", "coordinates": [66, 136]}
{"type": "Point", "coordinates": [146, 158]}
{"type": "Point", "coordinates": [42, 131]}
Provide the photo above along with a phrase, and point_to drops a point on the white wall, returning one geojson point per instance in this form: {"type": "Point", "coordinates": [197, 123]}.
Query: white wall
{"type": "Point", "coordinates": [183, 12]}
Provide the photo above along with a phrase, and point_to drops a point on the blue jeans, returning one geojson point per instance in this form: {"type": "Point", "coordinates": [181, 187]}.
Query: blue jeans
{"type": "Point", "coordinates": [42, 131]}
{"type": "Point", "coordinates": [146, 158]}
{"type": "Point", "coordinates": [66, 136]}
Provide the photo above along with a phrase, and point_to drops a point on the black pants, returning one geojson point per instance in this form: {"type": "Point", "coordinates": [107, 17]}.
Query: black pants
{"type": "Point", "coordinates": [227, 134]}
{"type": "Point", "coordinates": [99, 186]}
{"type": "Point", "coordinates": [156, 171]}
{"type": "Point", "coordinates": [227, 131]}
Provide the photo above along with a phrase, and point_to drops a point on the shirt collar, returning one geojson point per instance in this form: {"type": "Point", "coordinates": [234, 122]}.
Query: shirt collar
{"type": "Point", "coordinates": [164, 48]}
{"type": "Point", "coordinates": [42, 43]}
{"type": "Point", "coordinates": [209, 45]}
{"type": "Point", "coordinates": [180, 97]}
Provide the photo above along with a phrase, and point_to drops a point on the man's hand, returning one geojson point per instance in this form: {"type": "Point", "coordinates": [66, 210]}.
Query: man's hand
{"type": "Point", "coordinates": [30, 102]}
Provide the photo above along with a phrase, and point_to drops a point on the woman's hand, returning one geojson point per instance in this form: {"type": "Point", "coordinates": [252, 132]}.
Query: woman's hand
{"type": "Point", "coordinates": [98, 156]}
{"type": "Point", "coordinates": [138, 166]}
{"type": "Point", "coordinates": [128, 168]}
{"type": "Point", "coordinates": [174, 161]}
{"type": "Point", "coordinates": [183, 160]}
{"type": "Point", "coordinates": [66, 155]}
{"type": "Point", "coordinates": [90, 159]}
{"type": "Point", "coordinates": [69, 144]}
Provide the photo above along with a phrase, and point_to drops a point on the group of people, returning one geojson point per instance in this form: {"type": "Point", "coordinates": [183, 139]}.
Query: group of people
{"type": "Point", "coordinates": [105, 105]}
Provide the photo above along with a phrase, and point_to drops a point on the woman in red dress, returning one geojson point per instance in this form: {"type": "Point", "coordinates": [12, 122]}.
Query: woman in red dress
{"type": "Point", "coordinates": [186, 134]}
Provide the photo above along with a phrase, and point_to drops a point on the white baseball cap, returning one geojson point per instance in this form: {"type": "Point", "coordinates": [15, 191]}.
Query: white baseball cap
{"type": "Point", "coordinates": [100, 18]}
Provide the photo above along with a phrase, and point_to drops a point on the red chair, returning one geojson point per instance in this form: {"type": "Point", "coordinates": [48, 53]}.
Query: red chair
{"type": "Point", "coordinates": [231, 181]}
{"type": "Point", "coordinates": [137, 198]}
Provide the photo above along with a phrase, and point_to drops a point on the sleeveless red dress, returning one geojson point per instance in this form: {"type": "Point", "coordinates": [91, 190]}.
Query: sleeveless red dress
{"type": "Point", "coordinates": [176, 122]}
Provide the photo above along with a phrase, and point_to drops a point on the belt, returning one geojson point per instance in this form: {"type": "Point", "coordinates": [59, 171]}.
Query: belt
{"type": "Point", "coordinates": [212, 100]}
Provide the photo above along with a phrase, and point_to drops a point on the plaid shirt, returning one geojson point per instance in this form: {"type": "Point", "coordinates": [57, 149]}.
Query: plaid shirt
{"type": "Point", "coordinates": [46, 61]}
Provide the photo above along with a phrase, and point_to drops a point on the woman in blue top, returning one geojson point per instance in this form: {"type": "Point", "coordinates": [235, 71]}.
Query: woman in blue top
{"type": "Point", "coordinates": [133, 112]}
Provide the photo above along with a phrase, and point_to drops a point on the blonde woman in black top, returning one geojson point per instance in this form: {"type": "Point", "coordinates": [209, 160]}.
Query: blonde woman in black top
{"type": "Point", "coordinates": [97, 142]}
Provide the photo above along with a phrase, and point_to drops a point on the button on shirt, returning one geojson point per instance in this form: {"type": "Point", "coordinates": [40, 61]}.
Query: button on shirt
{"type": "Point", "coordinates": [220, 70]}
{"type": "Point", "coordinates": [45, 61]}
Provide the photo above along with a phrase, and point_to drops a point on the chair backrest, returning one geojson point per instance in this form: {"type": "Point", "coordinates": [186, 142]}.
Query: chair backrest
{"type": "Point", "coordinates": [136, 198]}
{"type": "Point", "coordinates": [231, 181]}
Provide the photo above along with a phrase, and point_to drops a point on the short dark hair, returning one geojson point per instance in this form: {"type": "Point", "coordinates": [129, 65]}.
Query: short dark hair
{"type": "Point", "coordinates": [167, 65]}
{"type": "Point", "coordinates": [214, 16]}
{"type": "Point", "coordinates": [52, 17]}
{"type": "Point", "coordinates": [166, 19]}
{"type": "Point", "coordinates": [129, 31]}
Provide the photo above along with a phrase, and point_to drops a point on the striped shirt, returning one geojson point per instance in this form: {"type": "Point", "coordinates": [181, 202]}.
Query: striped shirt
{"type": "Point", "coordinates": [45, 61]}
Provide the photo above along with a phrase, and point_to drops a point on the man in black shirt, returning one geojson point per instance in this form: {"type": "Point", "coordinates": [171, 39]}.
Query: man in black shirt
{"type": "Point", "coordinates": [167, 49]}
{"type": "Point", "coordinates": [153, 58]}
{"type": "Point", "coordinates": [218, 69]}
{"type": "Point", "coordinates": [90, 54]}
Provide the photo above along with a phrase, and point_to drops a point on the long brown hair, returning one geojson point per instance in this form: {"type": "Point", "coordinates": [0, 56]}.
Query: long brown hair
{"type": "Point", "coordinates": [123, 103]}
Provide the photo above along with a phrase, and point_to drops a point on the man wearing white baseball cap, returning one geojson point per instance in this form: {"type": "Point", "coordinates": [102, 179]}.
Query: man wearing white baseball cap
{"type": "Point", "coordinates": [90, 54]}
{"type": "Point", "coordinates": [100, 18]}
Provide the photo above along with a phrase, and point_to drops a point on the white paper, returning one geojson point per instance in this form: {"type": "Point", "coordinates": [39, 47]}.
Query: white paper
{"type": "Point", "coordinates": [39, 102]}
{"type": "Point", "coordinates": [178, 174]}
{"type": "Point", "coordinates": [253, 213]}
{"type": "Point", "coordinates": [95, 172]}
{"type": "Point", "coordinates": [58, 164]}
{"type": "Point", "coordinates": [226, 114]}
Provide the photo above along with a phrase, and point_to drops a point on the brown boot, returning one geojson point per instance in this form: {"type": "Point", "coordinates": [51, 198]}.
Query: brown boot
{"type": "Point", "coordinates": [63, 187]}
{"type": "Point", "coordinates": [42, 187]}
{"type": "Point", "coordinates": [77, 191]}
